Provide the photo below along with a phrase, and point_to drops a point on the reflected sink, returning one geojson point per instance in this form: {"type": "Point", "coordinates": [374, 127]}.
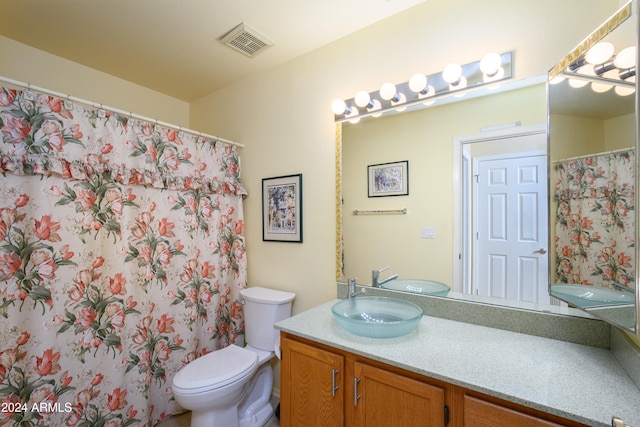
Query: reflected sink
{"type": "Point", "coordinates": [591, 296]}
{"type": "Point", "coordinates": [377, 317]}
{"type": "Point", "coordinates": [417, 286]}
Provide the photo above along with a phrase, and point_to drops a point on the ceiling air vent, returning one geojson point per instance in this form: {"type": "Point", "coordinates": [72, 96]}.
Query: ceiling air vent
{"type": "Point", "coordinates": [246, 40]}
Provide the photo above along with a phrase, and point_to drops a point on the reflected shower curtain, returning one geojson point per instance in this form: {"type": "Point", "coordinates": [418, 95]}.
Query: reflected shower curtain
{"type": "Point", "coordinates": [595, 232]}
{"type": "Point", "coordinates": [121, 259]}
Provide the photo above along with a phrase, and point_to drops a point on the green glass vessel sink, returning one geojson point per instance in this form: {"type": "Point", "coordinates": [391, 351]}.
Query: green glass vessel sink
{"type": "Point", "coordinates": [591, 296]}
{"type": "Point", "coordinates": [418, 286]}
{"type": "Point", "coordinates": [377, 317]}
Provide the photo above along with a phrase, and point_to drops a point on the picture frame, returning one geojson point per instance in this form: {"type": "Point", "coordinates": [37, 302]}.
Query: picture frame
{"type": "Point", "coordinates": [282, 209]}
{"type": "Point", "coordinates": [388, 179]}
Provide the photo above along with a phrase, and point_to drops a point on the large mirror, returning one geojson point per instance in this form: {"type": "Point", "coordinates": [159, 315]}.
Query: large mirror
{"type": "Point", "coordinates": [592, 140]}
{"type": "Point", "coordinates": [441, 229]}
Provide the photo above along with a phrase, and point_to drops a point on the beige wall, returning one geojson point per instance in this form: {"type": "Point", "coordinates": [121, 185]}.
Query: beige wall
{"type": "Point", "coordinates": [285, 120]}
{"type": "Point", "coordinates": [26, 64]}
{"type": "Point", "coordinates": [425, 138]}
{"type": "Point", "coordinates": [283, 116]}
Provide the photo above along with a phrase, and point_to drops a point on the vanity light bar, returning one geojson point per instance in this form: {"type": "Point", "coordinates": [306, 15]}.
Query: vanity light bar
{"type": "Point", "coordinates": [455, 80]}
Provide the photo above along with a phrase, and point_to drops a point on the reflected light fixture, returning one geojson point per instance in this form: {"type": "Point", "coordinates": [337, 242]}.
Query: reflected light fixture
{"type": "Point", "coordinates": [600, 87]}
{"type": "Point", "coordinates": [626, 58]}
{"type": "Point", "coordinates": [624, 91]}
{"type": "Point", "coordinates": [577, 83]}
{"type": "Point", "coordinates": [603, 68]}
{"type": "Point", "coordinates": [599, 53]}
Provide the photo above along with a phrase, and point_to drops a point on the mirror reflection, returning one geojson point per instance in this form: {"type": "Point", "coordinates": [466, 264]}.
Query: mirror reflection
{"type": "Point", "coordinates": [592, 135]}
{"type": "Point", "coordinates": [438, 233]}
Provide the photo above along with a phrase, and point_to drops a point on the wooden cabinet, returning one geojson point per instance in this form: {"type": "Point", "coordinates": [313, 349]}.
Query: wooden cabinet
{"type": "Point", "coordinates": [383, 398]}
{"type": "Point", "coordinates": [314, 391]}
{"type": "Point", "coordinates": [324, 386]}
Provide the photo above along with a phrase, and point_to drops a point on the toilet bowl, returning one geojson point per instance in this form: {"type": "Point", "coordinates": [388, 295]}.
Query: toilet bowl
{"type": "Point", "coordinates": [231, 387]}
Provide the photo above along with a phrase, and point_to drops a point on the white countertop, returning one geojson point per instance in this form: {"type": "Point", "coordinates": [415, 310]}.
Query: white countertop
{"type": "Point", "coordinates": [581, 383]}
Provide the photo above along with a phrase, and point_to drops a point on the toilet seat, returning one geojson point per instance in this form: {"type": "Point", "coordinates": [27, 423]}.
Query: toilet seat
{"type": "Point", "coordinates": [215, 370]}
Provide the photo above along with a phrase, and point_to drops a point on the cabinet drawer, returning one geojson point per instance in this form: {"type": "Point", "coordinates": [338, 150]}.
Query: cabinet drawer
{"type": "Point", "coordinates": [480, 413]}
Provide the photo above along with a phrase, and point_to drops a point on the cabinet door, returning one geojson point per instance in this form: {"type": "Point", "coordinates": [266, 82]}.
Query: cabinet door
{"type": "Point", "coordinates": [312, 386]}
{"type": "Point", "coordinates": [382, 398]}
{"type": "Point", "coordinates": [480, 413]}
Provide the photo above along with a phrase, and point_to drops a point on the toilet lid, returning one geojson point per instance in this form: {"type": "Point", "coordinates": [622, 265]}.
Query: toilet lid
{"type": "Point", "coordinates": [216, 369]}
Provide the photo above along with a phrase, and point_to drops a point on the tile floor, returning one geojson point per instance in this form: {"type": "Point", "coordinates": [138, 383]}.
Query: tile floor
{"type": "Point", "coordinates": [183, 420]}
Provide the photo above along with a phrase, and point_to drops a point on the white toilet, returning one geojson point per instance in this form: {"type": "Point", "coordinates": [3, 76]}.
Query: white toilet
{"type": "Point", "coordinates": [231, 387]}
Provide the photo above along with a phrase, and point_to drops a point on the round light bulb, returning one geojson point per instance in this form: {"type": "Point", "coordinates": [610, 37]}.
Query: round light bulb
{"type": "Point", "coordinates": [600, 87]}
{"type": "Point", "coordinates": [626, 58]}
{"type": "Point", "coordinates": [363, 99]}
{"type": "Point", "coordinates": [452, 73]}
{"type": "Point", "coordinates": [338, 107]}
{"type": "Point", "coordinates": [599, 53]}
{"type": "Point", "coordinates": [388, 91]}
{"type": "Point", "coordinates": [624, 90]}
{"type": "Point", "coordinates": [490, 64]}
{"type": "Point", "coordinates": [418, 83]}
{"type": "Point", "coordinates": [577, 84]}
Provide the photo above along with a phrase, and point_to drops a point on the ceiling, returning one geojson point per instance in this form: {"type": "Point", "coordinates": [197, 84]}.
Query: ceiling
{"type": "Point", "coordinates": [173, 46]}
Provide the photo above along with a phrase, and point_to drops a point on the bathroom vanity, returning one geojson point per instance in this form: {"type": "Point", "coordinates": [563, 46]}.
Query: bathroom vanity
{"type": "Point", "coordinates": [449, 373]}
{"type": "Point", "coordinates": [513, 361]}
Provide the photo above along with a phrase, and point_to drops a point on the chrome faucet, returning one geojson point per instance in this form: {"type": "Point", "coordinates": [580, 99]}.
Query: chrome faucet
{"type": "Point", "coordinates": [375, 277]}
{"type": "Point", "coordinates": [352, 289]}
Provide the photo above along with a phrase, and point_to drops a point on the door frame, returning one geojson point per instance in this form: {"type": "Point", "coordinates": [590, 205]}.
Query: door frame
{"type": "Point", "coordinates": [462, 248]}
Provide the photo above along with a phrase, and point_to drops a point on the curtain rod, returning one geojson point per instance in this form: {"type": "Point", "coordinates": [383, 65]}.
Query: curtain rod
{"type": "Point", "coordinates": [117, 111]}
{"type": "Point", "coordinates": [586, 156]}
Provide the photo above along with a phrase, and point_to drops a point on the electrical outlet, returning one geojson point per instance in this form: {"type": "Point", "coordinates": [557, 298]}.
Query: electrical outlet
{"type": "Point", "coordinates": [428, 233]}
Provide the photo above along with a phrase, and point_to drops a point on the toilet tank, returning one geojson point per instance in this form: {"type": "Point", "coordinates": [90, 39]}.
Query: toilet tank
{"type": "Point", "coordinates": [262, 309]}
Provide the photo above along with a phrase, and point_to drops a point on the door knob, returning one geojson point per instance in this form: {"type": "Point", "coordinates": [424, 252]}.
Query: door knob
{"type": "Point", "coordinates": [540, 251]}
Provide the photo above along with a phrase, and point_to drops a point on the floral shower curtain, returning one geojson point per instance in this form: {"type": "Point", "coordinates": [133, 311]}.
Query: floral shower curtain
{"type": "Point", "coordinates": [121, 259]}
{"type": "Point", "coordinates": [595, 234]}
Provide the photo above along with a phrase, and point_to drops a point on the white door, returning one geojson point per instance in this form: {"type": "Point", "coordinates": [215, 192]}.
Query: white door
{"type": "Point", "coordinates": [511, 234]}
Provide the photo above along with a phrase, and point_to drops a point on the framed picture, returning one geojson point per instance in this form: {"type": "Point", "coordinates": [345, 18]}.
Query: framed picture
{"type": "Point", "coordinates": [282, 209]}
{"type": "Point", "coordinates": [388, 179]}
